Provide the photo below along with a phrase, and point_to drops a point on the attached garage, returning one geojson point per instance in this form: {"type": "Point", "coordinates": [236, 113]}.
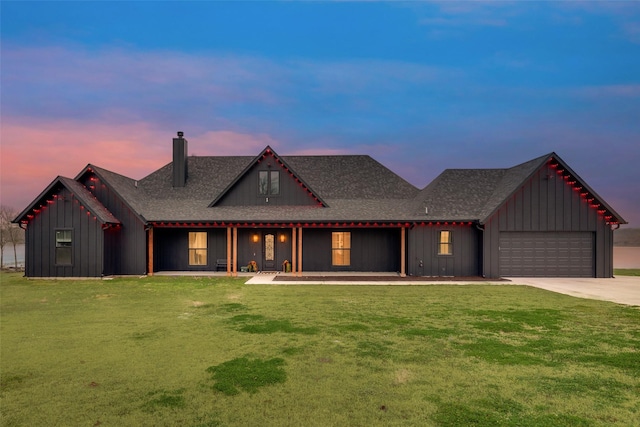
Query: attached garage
{"type": "Point", "coordinates": [547, 254]}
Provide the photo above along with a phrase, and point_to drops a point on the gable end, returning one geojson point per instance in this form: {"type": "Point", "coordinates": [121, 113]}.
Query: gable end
{"type": "Point", "coordinates": [268, 181]}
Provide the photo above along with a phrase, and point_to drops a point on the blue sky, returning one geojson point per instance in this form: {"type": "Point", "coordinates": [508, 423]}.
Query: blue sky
{"type": "Point", "coordinates": [420, 86]}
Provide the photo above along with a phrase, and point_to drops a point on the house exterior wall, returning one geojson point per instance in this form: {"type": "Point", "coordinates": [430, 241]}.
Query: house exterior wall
{"type": "Point", "coordinates": [125, 248]}
{"type": "Point", "coordinates": [371, 250]}
{"type": "Point", "coordinates": [422, 254]}
{"type": "Point", "coordinates": [171, 249]}
{"type": "Point", "coordinates": [87, 248]}
{"type": "Point", "coordinates": [547, 203]}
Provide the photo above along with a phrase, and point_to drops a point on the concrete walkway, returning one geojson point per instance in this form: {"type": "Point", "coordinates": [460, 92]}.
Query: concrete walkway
{"type": "Point", "coordinates": [622, 289]}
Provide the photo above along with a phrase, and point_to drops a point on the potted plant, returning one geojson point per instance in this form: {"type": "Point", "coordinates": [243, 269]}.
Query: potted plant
{"type": "Point", "coordinates": [286, 266]}
{"type": "Point", "coordinates": [253, 266]}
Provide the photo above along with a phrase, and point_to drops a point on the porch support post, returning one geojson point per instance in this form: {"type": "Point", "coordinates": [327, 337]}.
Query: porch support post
{"type": "Point", "coordinates": [299, 251]}
{"type": "Point", "coordinates": [235, 251]}
{"type": "Point", "coordinates": [150, 251]}
{"type": "Point", "coordinates": [294, 255]}
{"type": "Point", "coordinates": [403, 256]}
{"type": "Point", "coordinates": [228, 251]}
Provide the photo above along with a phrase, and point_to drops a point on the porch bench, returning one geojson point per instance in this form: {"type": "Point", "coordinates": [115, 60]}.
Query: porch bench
{"type": "Point", "coordinates": [221, 264]}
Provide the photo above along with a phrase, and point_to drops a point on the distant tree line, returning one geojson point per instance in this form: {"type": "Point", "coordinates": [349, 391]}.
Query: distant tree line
{"type": "Point", "coordinates": [626, 237]}
{"type": "Point", "coordinates": [10, 234]}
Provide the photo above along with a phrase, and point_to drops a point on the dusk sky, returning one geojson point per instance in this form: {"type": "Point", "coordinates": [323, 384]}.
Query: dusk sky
{"type": "Point", "coordinates": [419, 86]}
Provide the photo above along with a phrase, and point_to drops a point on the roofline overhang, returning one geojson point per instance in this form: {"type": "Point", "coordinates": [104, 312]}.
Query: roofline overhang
{"type": "Point", "coordinates": [306, 224]}
{"type": "Point", "coordinates": [42, 202]}
{"type": "Point", "coordinates": [92, 169]}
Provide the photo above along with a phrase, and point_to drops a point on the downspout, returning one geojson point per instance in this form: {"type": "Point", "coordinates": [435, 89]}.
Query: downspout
{"type": "Point", "coordinates": [25, 252]}
{"type": "Point", "coordinates": [481, 247]}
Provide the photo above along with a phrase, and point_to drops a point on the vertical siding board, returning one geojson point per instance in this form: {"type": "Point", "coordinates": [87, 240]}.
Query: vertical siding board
{"type": "Point", "coordinates": [559, 202]}
{"type": "Point", "coordinates": [245, 191]}
{"type": "Point", "coordinates": [527, 211]}
{"type": "Point", "coordinates": [518, 210]}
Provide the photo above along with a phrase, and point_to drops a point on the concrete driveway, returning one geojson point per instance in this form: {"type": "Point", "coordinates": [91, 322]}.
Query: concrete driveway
{"type": "Point", "coordinates": [621, 289]}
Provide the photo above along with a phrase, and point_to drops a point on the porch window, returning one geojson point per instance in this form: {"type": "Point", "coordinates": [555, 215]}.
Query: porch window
{"type": "Point", "coordinates": [197, 248]}
{"type": "Point", "coordinates": [64, 242]}
{"type": "Point", "coordinates": [445, 243]}
{"type": "Point", "coordinates": [341, 248]}
{"type": "Point", "coordinates": [268, 183]}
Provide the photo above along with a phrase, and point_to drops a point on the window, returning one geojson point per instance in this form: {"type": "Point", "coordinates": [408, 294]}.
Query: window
{"type": "Point", "coordinates": [268, 183]}
{"type": "Point", "coordinates": [197, 248]}
{"type": "Point", "coordinates": [341, 248]}
{"type": "Point", "coordinates": [445, 244]}
{"type": "Point", "coordinates": [64, 242]}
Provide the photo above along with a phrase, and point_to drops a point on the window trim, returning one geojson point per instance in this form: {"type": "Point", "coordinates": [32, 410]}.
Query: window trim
{"type": "Point", "coordinates": [445, 244]}
{"type": "Point", "coordinates": [194, 249]}
{"type": "Point", "coordinates": [344, 248]}
{"type": "Point", "coordinates": [57, 247]}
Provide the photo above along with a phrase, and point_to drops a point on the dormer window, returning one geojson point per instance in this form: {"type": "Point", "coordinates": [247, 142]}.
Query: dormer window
{"type": "Point", "coordinates": [269, 183]}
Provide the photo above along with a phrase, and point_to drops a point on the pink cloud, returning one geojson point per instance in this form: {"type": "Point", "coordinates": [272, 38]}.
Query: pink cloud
{"type": "Point", "coordinates": [35, 152]}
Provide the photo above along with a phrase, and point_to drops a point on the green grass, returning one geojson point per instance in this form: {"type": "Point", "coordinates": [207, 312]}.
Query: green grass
{"type": "Point", "coordinates": [198, 352]}
{"type": "Point", "coordinates": [626, 271]}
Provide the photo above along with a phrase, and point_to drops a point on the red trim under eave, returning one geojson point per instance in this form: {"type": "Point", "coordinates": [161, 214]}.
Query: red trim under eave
{"type": "Point", "coordinates": [351, 224]}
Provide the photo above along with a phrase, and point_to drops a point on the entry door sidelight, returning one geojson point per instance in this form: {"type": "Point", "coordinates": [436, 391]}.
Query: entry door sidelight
{"type": "Point", "coordinates": [269, 262]}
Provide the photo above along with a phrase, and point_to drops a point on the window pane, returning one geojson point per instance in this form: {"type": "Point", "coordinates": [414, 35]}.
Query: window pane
{"type": "Point", "coordinates": [275, 182]}
{"type": "Point", "coordinates": [197, 240]}
{"type": "Point", "coordinates": [269, 247]}
{"type": "Point", "coordinates": [63, 247]}
{"type": "Point", "coordinates": [63, 256]}
{"type": "Point", "coordinates": [341, 248]}
{"type": "Point", "coordinates": [63, 238]}
{"type": "Point", "coordinates": [197, 257]}
{"type": "Point", "coordinates": [197, 248]}
{"type": "Point", "coordinates": [263, 182]}
{"type": "Point", "coordinates": [445, 246]}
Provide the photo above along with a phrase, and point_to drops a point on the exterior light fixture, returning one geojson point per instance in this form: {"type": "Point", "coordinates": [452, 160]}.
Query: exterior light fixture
{"type": "Point", "coordinates": [283, 238]}
{"type": "Point", "coordinates": [255, 238]}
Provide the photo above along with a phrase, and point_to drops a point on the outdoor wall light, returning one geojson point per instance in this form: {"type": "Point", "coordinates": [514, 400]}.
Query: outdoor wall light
{"type": "Point", "coordinates": [255, 238]}
{"type": "Point", "coordinates": [283, 238]}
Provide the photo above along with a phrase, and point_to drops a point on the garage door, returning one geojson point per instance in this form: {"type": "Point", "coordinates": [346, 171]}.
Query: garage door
{"type": "Point", "coordinates": [546, 254]}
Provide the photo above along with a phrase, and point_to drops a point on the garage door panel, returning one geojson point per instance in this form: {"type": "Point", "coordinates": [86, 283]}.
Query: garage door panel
{"type": "Point", "coordinates": [546, 254]}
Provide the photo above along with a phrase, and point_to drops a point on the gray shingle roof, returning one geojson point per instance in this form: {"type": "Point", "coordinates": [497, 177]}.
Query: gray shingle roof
{"type": "Point", "coordinates": [472, 194]}
{"type": "Point", "coordinates": [89, 201]}
{"type": "Point", "coordinates": [354, 188]}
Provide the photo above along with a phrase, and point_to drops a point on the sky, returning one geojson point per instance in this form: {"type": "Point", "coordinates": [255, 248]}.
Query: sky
{"type": "Point", "coordinates": [419, 86]}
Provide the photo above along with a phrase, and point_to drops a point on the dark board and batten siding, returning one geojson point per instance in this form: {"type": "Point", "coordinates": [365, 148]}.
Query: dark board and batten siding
{"type": "Point", "coordinates": [371, 250]}
{"type": "Point", "coordinates": [126, 247]}
{"type": "Point", "coordinates": [245, 191]}
{"type": "Point", "coordinates": [546, 203]}
{"type": "Point", "coordinates": [87, 240]}
{"type": "Point", "coordinates": [423, 257]}
{"type": "Point", "coordinates": [171, 249]}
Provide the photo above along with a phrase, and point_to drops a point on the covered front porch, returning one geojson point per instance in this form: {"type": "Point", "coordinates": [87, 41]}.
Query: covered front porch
{"type": "Point", "coordinates": [234, 249]}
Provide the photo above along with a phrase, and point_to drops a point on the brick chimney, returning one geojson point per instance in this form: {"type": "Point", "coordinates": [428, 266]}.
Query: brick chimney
{"type": "Point", "coordinates": [179, 160]}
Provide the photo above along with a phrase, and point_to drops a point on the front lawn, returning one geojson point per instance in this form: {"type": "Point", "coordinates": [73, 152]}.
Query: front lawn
{"type": "Point", "coordinates": [164, 351]}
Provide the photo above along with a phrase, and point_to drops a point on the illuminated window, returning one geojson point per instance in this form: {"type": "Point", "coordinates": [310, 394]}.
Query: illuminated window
{"type": "Point", "coordinates": [268, 183]}
{"type": "Point", "coordinates": [64, 242]}
{"type": "Point", "coordinates": [445, 244]}
{"type": "Point", "coordinates": [197, 248]}
{"type": "Point", "coordinates": [341, 248]}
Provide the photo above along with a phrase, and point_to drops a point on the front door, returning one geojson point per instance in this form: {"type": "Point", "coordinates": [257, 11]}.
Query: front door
{"type": "Point", "coordinates": [269, 262]}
